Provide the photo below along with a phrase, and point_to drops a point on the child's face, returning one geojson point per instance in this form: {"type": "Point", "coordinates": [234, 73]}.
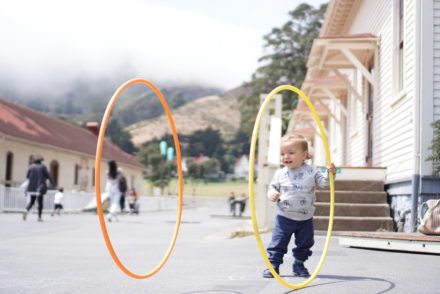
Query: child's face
{"type": "Point", "coordinates": [292, 154]}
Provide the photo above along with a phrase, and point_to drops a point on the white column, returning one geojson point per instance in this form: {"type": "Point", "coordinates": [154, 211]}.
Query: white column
{"type": "Point", "coordinates": [264, 208]}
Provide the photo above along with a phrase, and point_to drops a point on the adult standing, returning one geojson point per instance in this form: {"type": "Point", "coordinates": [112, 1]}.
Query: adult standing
{"type": "Point", "coordinates": [123, 188]}
{"type": "Point", "coordinates": [37, 176]}
{"type": "Point", "coordinates": [114, 176]}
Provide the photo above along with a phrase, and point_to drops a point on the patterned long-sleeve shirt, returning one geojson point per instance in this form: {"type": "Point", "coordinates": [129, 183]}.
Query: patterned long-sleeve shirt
{"type": "Point", "coordinates": [297, 189]}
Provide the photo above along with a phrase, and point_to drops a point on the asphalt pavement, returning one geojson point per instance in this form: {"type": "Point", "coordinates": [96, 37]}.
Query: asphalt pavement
{"type": "Point", "coordinates": [67, 254]}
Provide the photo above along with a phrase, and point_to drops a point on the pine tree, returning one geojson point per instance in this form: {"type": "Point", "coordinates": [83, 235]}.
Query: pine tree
{"type": "Point", "coordinates": [435, 147]}
{"type": "Point", "coordinates": [288, 47]}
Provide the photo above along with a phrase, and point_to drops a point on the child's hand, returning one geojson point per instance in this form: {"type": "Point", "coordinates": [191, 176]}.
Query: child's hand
{"type": "Point", "coordinates": [331, 168]}
{"type": "Point", "coordinates": [274, 197]}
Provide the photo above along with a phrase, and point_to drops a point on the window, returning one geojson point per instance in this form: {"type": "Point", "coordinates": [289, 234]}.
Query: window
{"type": "Point", "coordinates": [9, 165]}
{"type": "Point", "coordinates": [399, 45]}
{"type": "Point", "coordinates": [54, 168]}
{"type": "Point", "coordinates": [76, 177]}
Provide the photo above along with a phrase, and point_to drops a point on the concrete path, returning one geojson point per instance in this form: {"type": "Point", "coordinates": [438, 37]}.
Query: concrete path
{"type": "Point", "coordinates": [67, 254]}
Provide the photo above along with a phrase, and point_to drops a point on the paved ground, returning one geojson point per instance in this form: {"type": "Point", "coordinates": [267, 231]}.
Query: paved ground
{"type": "Point", "coordinates": [67, 254]}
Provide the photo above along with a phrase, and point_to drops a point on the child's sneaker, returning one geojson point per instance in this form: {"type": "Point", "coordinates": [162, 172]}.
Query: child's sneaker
{"type": "Point", "coordinates": [300, 270]}
{"type": "Point", "coordinates": [268, 274]}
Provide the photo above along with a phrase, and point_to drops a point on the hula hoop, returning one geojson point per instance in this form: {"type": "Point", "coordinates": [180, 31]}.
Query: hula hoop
{"type": "Point", "coordinates": [252, 191]}
{"type": "Point", "coordinates": [98, 177]}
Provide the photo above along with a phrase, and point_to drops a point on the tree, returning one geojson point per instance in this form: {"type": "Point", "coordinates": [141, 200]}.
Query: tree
{"type": "Point", "coordinates": [435, 147]}
{"type": "Point", "coordinates": [193, 170]}
{"type": "Point", "coordinates": [146, 152]}
{"type": "Point", "coordinates": [211, 168]}
{"type": "Point", "coordinates": [161, 170]}
{"type": "Point", "coordinates": [288, 47]}
{"type": "Point", "coordinates": [239, 144]}
{"type": "Point", "coordinates": [204, 142]}
{"type": "Point", "coordinates": [120, 137]}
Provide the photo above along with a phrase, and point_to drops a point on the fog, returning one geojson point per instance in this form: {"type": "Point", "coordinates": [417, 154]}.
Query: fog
{"type": "Point", "coordinates": [47, 44]}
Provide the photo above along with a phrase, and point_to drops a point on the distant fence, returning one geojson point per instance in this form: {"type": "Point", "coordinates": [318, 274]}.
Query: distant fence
{"type": "Point", "coordinates": [205, 201]}
{"type": "Point", "coordinates": [14, 200]}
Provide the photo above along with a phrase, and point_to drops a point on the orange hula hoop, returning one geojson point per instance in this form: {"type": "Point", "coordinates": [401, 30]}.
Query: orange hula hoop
{"type": "Point", "coordinates": [98, 177]}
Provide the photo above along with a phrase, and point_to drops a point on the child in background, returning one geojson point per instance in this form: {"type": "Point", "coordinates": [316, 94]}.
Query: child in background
{"type": "Point", "coordinates": [58, 202]}
{"type": "Point", "coordinates": [132, 201]}
{"type": "Point", "coordinates": [293, 188]}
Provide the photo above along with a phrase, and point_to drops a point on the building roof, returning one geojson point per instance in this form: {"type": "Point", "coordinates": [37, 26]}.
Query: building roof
{"type": "Point", "coordinates": [326, 80]}
{"type": "Point", "coordinates": [304, 107]}
{"type": "Point", "coordinates": [337, 17]}
{"type": "Point", "coordinates": [200, 159]}
{"type": "Point", "coordinates": [27, 124]}
{"type": "Point", "coordinates": [352, 36]}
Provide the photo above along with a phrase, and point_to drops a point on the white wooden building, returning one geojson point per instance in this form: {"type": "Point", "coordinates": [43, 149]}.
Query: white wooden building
{"type": "Point", "coordinates": [375, 69]}
{"type": "Point", "coordinates": [68, 151]}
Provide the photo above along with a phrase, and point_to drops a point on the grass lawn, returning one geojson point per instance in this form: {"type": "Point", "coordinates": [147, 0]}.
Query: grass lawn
{"type": "Point", "coordinates": [204, 189]}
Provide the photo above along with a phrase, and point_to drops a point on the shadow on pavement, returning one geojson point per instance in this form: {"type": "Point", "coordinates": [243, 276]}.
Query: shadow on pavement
{"type": "Point", "coordinates": [213, 291]}
{"type": "Point", "coordinates": [342, 279]}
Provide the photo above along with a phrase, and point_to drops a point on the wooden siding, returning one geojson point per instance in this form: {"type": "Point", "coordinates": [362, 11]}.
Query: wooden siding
{"type": "Point", "coordinates": [393, 128]}
{"type": "Point", "coordinates": [436, 59]}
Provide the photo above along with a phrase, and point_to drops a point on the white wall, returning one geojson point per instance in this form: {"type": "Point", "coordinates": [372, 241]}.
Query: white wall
{"type": "Point", "coordinates": [22, 150]}
{"type": "Point", "coordinates": [393, 127]}
{"type": "Point", "coordinates": [436, 59]}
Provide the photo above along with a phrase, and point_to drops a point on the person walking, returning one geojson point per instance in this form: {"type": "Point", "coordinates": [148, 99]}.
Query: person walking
{"type": "Point", "coordinates": [114, 176]}
{"type": "Point", "coordinates": [58, 202]}
{"type": "Point", "coordinates": [37, 176]}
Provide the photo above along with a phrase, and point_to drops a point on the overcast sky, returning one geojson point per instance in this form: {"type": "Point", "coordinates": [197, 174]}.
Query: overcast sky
{"type": "Point", "coordinates": [46, 43]}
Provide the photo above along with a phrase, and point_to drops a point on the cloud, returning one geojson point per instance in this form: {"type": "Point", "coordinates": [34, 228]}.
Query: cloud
{"type": "Point", "coordinates": [47, 43]}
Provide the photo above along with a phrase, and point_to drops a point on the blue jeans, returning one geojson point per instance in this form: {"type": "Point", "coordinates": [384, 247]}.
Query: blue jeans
{"type": "Point", "coordinates": [283, 231]}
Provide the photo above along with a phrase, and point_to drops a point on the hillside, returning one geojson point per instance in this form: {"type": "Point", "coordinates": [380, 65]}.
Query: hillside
{"type": "Point", "coordinates": [85, 100]}
{"type": "Point", "coordinates": [220, 113]}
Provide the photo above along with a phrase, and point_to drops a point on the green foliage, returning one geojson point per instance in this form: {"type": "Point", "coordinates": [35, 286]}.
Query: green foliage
{"type": "Point", "coordinates": [161, 171]}
{"type": "Point", "coordinates": [146, 154]}
{"type": "Point", "coordinates": [194, 170]}
{"type": "Point", "coordinates": [239, 144]}
{"type": "Point", "coordinates": [206, 142]}
{"type": "Point", "coordinates": [288, 47]}
{"type": "Point", "coordinates": [227, 163]}
{"type": "Point", "coordinates": [435, 147]}
{"type": "Point", "coordinates": [203, 142]}
{"type": "Point", "coordinates": [120, 137]}
{"type": "Point", "coordinates": [210, 167]}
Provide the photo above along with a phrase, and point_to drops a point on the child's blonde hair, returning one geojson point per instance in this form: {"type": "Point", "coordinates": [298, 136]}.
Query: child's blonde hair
{"type": "Point", "coordinates": [298, 139]}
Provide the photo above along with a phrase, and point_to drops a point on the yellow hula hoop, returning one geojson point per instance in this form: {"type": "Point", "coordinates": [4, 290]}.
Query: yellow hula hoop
{"type": "Point", "coordinates": [98, 177]}
{"type": "Point", "coordinates": [252, 191]}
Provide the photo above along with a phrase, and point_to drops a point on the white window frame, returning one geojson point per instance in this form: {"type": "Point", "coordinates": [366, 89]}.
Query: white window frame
{"type": "Point", "coordinates": [398, 77]}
